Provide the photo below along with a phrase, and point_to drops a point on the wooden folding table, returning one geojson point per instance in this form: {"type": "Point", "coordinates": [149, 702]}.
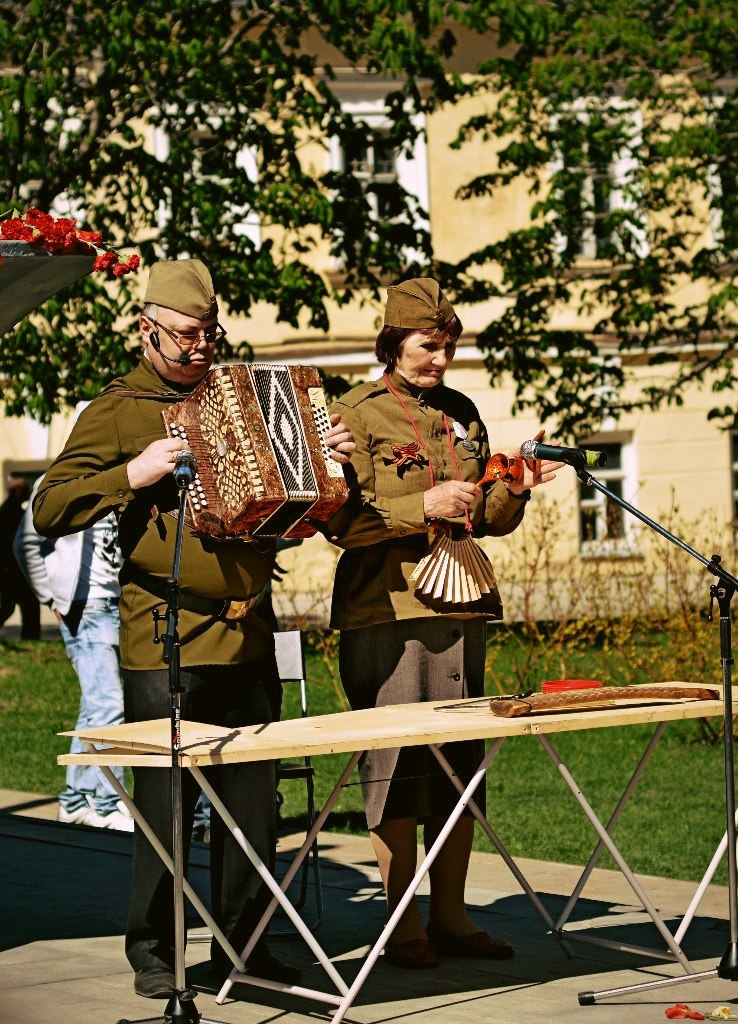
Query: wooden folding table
{"type": "Point", "coordinates": [147, 744]}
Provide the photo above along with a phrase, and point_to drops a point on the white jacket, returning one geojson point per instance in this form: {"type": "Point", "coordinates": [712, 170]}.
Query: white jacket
{"type": "Point", "coordinates": [51, 565]}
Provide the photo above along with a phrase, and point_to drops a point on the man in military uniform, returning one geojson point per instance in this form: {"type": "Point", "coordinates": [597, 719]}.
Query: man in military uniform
{"type": "Point", "coordinates": [118, 458]}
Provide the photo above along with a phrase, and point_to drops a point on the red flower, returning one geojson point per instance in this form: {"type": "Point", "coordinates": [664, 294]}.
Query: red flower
{"type": "Point", "coordinates": [105, 260]}
{"type": "Point", "coordinates": [126, 268]}
{"type": "Point", "coordinates": [15, 229]}
{"type": "Point", "coordinates": [60, 236]}
{"type": "Point", "coordinates": [93, 237]}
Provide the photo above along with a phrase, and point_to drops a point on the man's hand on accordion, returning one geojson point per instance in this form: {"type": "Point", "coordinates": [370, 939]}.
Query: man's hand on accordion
{"type": "Point", "coordinates": [340, 439]}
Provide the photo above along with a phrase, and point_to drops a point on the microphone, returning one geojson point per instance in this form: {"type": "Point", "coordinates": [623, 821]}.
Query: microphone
{"type": "Point", "coordinates": [185, 468]}
{"type": "Point", "coordinates": [579, 458]}
{"type": "Point", "coordinates": [183, 360]}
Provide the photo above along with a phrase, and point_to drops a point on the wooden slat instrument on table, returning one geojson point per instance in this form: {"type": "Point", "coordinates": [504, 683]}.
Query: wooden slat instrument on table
{"type": "Point", "coordinates": [597, 697]}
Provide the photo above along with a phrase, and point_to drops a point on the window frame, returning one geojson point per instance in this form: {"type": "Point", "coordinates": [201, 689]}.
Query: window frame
{"type": "Point", "coordinates": [246, 160]}
{"type": "Point", "coordinates": [621, 169]}
{"type": "Point", "coordinates": [625, 546]}
{"type": "Point", "coordinates": [366, 103]}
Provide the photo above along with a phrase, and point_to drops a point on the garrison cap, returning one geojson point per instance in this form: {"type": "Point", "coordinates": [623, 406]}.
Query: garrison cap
{"type": "Point", "coordinates": [418, 303]}
{"type": "Point", "coordinates": [183, 285]}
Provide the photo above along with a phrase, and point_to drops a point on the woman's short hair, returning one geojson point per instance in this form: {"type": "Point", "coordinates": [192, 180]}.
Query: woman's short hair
{"type": "Point", "coordinates": [390, 338]}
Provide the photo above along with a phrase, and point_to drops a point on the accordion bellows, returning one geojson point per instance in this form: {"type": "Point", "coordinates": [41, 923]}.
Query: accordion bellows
{"type": "Point", "coordinates": [263, 468]}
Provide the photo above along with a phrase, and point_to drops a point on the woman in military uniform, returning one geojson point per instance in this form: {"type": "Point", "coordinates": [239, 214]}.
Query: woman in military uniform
{"type": "Point", "coordinates": [421, 449]}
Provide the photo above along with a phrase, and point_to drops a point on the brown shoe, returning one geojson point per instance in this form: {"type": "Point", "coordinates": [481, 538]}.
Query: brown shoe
{"type": "Point", "coordinates": [478, 944]}
{"type": "Point", "coordinates": [417, 954]}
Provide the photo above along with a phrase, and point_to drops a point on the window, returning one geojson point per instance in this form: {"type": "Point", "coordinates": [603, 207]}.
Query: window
{"type": "Point", "coordinates": [605, 528]}
{"type": "Point", "coordinates": [373, 161]}
{"type": "Point", "coordinates": [596, 183]}
{"type": "Point", "coordinates": [209, 167]}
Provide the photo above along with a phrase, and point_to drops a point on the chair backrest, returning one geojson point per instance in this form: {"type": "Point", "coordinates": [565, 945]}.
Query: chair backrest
{"type": "Point", "coordinates": [289, 649]}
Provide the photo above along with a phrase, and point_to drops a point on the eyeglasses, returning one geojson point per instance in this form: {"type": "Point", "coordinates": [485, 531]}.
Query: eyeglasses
{"type": "Point", "coordinates": [188, 339]}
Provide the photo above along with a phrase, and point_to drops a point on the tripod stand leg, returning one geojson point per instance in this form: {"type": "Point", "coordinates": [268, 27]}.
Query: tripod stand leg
{"type": "Point", "coordinates": [590, 998]}
{"type": "Point", "coordinates": [180, 1010]}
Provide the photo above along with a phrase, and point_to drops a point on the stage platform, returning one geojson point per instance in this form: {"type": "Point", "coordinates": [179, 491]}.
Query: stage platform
{"type": "Point", "coordinates": [64, 901]}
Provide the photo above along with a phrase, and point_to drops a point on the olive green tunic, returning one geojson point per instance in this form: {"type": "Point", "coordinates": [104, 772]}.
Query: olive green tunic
{"type": "Point", "coordinates": [90, 479]}
{"type": "Point", "coordinates": [383, 528]}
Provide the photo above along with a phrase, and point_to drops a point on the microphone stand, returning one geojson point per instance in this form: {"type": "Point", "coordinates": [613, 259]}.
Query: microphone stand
{"type": "Point", "coordinates": [180, 1008]}
{"type": "Point", "coordinates": [722, 592]}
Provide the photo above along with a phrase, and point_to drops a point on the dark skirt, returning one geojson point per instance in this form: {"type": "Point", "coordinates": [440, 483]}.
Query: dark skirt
{"type": "Point", "coordinates": [407, 662]}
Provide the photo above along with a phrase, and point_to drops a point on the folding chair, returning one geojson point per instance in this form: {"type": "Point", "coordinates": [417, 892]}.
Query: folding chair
{"type": "Point", "coordinates": [290, 654]}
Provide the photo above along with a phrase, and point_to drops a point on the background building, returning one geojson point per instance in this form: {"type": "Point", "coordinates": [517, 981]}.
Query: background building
{"type": "Point", "coordinates": [675, 458]}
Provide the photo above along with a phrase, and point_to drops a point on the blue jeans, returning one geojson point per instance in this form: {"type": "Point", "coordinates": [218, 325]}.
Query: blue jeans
{"type": "Point", "coordinates": [202, 812]}
{"type": "Point", "coordinates": [93, 651]}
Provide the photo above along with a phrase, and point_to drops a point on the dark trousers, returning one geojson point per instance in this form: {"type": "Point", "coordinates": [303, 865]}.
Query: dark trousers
{"type": "Point", "coordinates": [30, 609]}
{"type": "Point", "coordinates": [234, 696]}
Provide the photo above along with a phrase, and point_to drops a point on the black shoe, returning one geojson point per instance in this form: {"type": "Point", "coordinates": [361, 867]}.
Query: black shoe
{"type": "Point", "coordinates": [262, 963]}
{"type": "Point", "coordinates": [154, 982]}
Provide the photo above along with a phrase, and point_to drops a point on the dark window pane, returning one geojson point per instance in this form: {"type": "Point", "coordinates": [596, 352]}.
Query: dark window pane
{"type": "Point", "coordinates": [614, 515]}
{"type": "Point", "coordinates": [734, 445]}
{"type": "Point", "coordinates": [385, 158]}
{"type": "Point", "coordinates": [588, 524]}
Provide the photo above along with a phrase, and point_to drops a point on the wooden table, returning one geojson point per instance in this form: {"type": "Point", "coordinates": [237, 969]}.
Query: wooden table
{"type": "Point", "coordinates": [147, 744]}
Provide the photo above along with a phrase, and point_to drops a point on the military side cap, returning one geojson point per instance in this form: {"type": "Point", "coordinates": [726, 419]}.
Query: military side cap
{"type": "Point", "coordinates": [419, 303]}
{"type": "Point", "coordinates": [183, 285]}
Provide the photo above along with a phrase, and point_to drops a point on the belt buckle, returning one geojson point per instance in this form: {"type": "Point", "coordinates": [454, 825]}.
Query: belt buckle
{"type": "Point", "coordinates": [237, 610]}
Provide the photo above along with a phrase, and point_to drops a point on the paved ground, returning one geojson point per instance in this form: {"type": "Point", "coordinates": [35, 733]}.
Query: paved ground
{"type": "Point", "coordinates": [64, 896]}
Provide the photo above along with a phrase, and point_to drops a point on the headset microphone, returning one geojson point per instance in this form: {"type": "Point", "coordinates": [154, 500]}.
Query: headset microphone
{"type": "Point", "coordinates": [184, 360]}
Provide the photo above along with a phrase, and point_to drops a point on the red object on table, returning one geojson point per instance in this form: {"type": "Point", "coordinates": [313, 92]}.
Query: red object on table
{"type": "Point", "coordinates": [557, 685]}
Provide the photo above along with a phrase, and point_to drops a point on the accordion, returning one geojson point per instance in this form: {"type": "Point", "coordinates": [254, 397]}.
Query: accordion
{"type": "Point", "coordinates": [263, 468]}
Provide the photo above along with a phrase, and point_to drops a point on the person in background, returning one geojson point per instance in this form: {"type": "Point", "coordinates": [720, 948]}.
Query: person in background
{"type": "Point", "coordinates": [14, 587]}
{"type": "Point", "coordinates": [119, 459]}
{"type": "Point", "coordinates": [77, 577]}
{"type": "Point", "coordinates": [421, 449]}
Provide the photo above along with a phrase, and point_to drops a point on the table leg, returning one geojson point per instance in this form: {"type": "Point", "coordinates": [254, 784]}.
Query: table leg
{"type": "Point", "coordinates": [279, 895]}
{"type": "Point", "coordinates": [615, 817]}
{"type": "Point", "coordinates": [627, 873]}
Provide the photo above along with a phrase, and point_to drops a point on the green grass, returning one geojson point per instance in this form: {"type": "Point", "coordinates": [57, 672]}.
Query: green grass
{"type": "Point", "coordinates": [39, 697]}
{"type": "Point", "coordinates": [671, 827]}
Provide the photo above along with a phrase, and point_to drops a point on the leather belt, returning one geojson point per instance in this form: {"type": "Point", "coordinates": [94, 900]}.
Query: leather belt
{"type": "Point", "coordinates": [227, 610]}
